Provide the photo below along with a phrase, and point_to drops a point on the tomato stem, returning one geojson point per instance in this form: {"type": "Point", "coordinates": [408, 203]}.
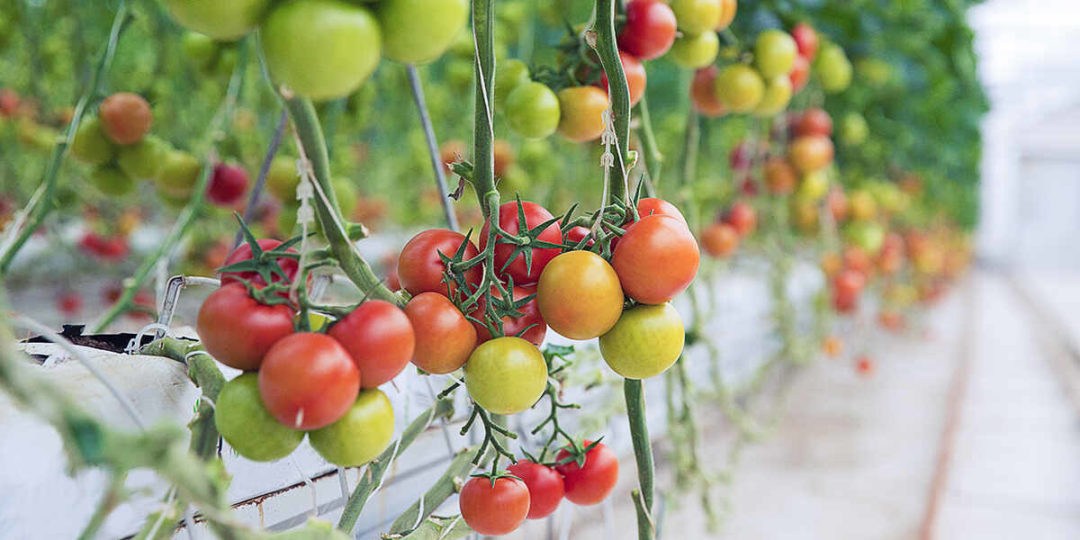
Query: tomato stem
{"type": "Point", "coordinates": [619, 92]}
{"type": "Point", "coordinates": [654, 159]}
{"type": "Point", "coordinates": [634, 392]}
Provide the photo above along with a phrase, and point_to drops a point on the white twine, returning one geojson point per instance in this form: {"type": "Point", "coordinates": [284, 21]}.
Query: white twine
{"type": "Point", "coordinates": [310, 485]}
{"type": "Point", "coordinates": [133, 345]}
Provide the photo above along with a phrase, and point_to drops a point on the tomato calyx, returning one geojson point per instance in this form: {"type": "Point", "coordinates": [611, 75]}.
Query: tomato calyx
{"type": "Point", "coordinates": [494, 475]}
{"type": "Point", "coordinates": [576, 452]}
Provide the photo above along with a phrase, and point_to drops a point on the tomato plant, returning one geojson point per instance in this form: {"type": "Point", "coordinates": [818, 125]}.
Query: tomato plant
{"type": "Point", "coordinates": [288, 265]}
{"type": "Point", "coordinates": [511, 262]}
{"type": "Point", "coordinates": [529, 325]}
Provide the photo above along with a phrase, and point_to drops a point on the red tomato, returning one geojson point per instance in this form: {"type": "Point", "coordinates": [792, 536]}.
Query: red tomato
{"type": "Point", "coordinates": [237, 330]}
{"type": "Point", "coordinates": [813, 122]}
{"type": "Point", "coordinates": [648, 206]}
{"type": "Point", "coordinates": [635, 77]}
{"type": "Point", "coordinates": [800, 74]}
{"type": "Point", "coordinates": [577, 234]}
{"type": "Point", "coordinates": [69, 304]}
{"type": "Point", "coordinates": [535, 215]}
{"type": "Point", "coordinates": [720, 239]}
{"type": "Point", "coordinates": [656, 259]}
{"type": "Point", "coordinates": [649, 30]}
{"type": "Point", "coordinates": [227, 186]}
{"type": "Point", "coordinates": [494, 510]}
{"type": "Point", "coordinates": [421, 270]}
{"type": "Point", "coordinates": [243, 253]}
{"type": "Point", "coordinates": [743, 217]}
{"type": "Point", "coordinates": [592, 482]}
{"type": "Point", "coordinates": [111, 248]}
{"type": "Point", "coordinates": [703, 93]}
{"type": "Point", "coordinates": [308, 381]}
{"type": "Point", "coordinates": [780, 176]}
{"type": "Point", "coordinates": [126, 117]}
{"type": "Point", "coordinates": [545, 487]}
{"type": "Point", "coordinates": [444, 337]}
{"type": "Point", "coordinates": [530, 317]}
{"type": "Point", "coordinates": [379, 338]}
{"type": "Point", "coordinates": [806, 40]}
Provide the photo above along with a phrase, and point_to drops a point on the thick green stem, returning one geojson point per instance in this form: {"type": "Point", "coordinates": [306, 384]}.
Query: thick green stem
{"type": "Point", "coordinates": [450, 483]}
{"type": "Point", "coordinates": [634, 392]}
{"type": "Point", "coordinates": [483, 12]}
{"type": "Point", "coordinates": [619, 90]}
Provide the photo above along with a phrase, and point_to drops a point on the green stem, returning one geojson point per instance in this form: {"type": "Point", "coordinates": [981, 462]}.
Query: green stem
{"type": "Point", "coordinates": [654, 159]}
{"type": "Point", "coordinates": [483, 12]}
{"type": "Point", "coordinates": [608, 50]}
{"type": "Point", "coordinates": [109, 501]}
{"type": "Point", "coordinates": [448, 484]}
{"type": "Point", "coordinates": [634, 392]}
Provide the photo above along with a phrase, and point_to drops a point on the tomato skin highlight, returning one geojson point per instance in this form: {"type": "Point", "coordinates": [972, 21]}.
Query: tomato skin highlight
{"type": "Point", "coordinates": [579, 295]}
{"type": "Point", "coordinates": [645, 342]}
{"type": "Point", "coordinates": [545, 487]}
{"type": "Point", "coordinates": [494, 510]}
{"type": "Point", "coordinates": [582, 109]}
{"type": "Point", "coordinates": [308, 381]}
{"type": "Point", "coordinates": [444, 337]}
{"type": "Point", "coordinates": [379, 338]}
{"type": "Point", "coordinates": [591, 483]}
{"type": "Point", "coordinates": [649, 30]}
{"type": "Point", "coordinates": [248, 426]}
{"type": "Point", "coordinates": [421, 270]}
{"type": "Point", "coordinates": [360, 435]}
{"type": "Point", "coordinates": [535, 215]}
{"type": "Point", "coordinates": [506, 375]}
{"type": "Point", "coordinates": [656, 259]}
{"type": "Point", "coordinates": [237, 330]}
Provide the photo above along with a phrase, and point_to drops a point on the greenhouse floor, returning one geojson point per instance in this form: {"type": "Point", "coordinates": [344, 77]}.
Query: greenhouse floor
{"type": "Point", "coordinates": [966, 433]}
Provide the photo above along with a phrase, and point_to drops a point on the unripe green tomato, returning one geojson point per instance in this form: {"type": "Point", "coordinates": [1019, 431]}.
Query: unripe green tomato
{"type": "Point", "coordinates": [321, 49]}
{"type": "Point", "coordinates": [695, 51]}
{"type": "Point", "coordinates": [219, 19]}
{"type": "Point", "coordinates": [853, 129]}
{"type": "Point", "coordinates": [739, 87]}
{"type": "Point", "coordinates": [282, 179]}
{"type": "Point", "coordinates": [813, 187]}
{"type": "Point", "coordinates": [200, 49]}
{"type": "Point", "coordinates": [506, 375]}
{"type": "Point", "coordinates": [226, 62]}
{"type": "Point", "coordinates": [419, 31]}
{"type": "Point", "coordinates": [143, 159]}
{"type": "Point", "coordinates": [346, 194]}
{"type": "Point", "coordinates": [178, 174]}
{"type": "Point", "coordinates": [697, 16]}
{"type": "Point", "coordinates": [112, 181]}
{"type": "Point", "coordinates": [868, 235]}
{"type": "Point", "coordinates": [645, 342]}
{"type": "Point", "coordinates": [91, 146]}
{"type": "Point", "coordinates": [776, 98]}
{"type": "Point", "coordinates": [533, 110]}
{"type": "Point", "coordinates": [247, 426]}
{"type": "Point", "coordinates": [509, 75]}
{"type": "Point", "coordinates": [360, 435]}
{"type": "Point", "coordinates": [833, 69]}
{"type": "Point", "coordinates": [774, 53]}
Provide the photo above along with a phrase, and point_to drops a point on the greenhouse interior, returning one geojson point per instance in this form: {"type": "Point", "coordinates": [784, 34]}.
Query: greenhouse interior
{"type": "Point", "coordinates": [291, 269]}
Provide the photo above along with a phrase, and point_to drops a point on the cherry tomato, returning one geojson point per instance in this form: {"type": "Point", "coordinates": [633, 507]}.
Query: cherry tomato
{"type": "Point", "coordinates": [774, 53]}
{"type": "Point", "coordinates": [742, 156]}
{"type": "Point", "coordinates": [800, 74]}
{"type": "Point", "coordinates": [143, 159]}
{"type": "Point", "coordinates": [247, 426]}
{"type": "Point", "coordinates": [780, 176]}
{"type": "Point", "coordinates": [720, 239]}
{"type": "Point", "coordinates": [739, 88]}
{"type": "Point", "coordinates": [420, 269]}
{"type": "Point", "coordinates": [703, 93]}
{"type": "Point", "coordinates": [243, 253]}
{"type": "Point", "coordinates": [379, 338]}
{"type": "Point", "coordinates": [577, 234]}
{"type": "Point", "coordinates": [227, 185]}
{"type": "Point", "coordinates": [444, 337]}
{"type": "Point", "coordinates": [743, 217]}
{"type": "Point", "coordinates": [833, 69]}
{"type": "Point", "coordinates": [91, 146]}
{"type": "Point", "coordinates": [360, 435]}
{"type": "Point", "coordinates": [649, 30]}
{"type": "Point", "coordinates": [635, 77]}
{"type": "Point", "coordinates": [837, 203]}
{"type": "Point", "coordinates": [697, 16]}
{"type": "Point", "coordinates": [308, 381]}
{"type": "Point", "coordinates": [582, 109]}
{"type": "Point", "coordinates": [239, 331]}
{"type": "Point", "coordinates": [69, 304]}
{"type": "Point", "coordinates": [322, 49]}
{"type": "Point", "coordinates": [219, 20]}
{"type": "Point", "coordinates": [512, 326]}
{"type": "Point", "coordinates": [509, 75]}
{"type": "Point", "coordinates": [532, 110]}
{"type": "Point", "coordinates": [506, 375]}
{"type": "Point", "coordinates": [494, 510]}
{"type": "Point", "coordinates": [776, 97]}
{"type": "Point", "coordinates": [648, 206]}
{"type": "Point", "coordinates": [579, 295]}
{"type": "Point", "coordinates": [592, 482]}
{"type": "Point", "coordinates": [810, 153]}
{"type": "Point", "coordinates": [535, 215]}
{"type": "Point", "coordinates": [112, 181]}
{"type": "Point", "coordinates": [645, 342]}
{"type": "Point", "coordinates": [125, 117]}
{"type": "Point", "coordinates": [728, 9]}
{"type": "Point", "coordinates": [419, 31]}
{"type": "Point", "coordinates": [545, 487]}
{"type": "Point", "coordinates": [656, 259]}
{"type": "Point", "coordinates": [282, 179]}
{"type": "Point", "coordinates": [813, 122]}
{"type": "Point", "coordinates": [806, 40]}
{"type": "Point", "coordinates": [503, 156]}
{"type": "Point", "coordinates": [178, 175]}
{"type": "Point", "coordinates": [693, 51]}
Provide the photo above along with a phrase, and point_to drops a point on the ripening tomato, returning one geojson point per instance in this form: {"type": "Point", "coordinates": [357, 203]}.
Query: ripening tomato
{"type": "Point", "coordinates": [862, 205]}
{"type": "Point", "coordinates": [591, 482]}
{"type": "Point", "coordinates": [111, 248]}
{"type": "Point", "coordinates": [728, 8]}
{"type": "Point", "coordinates": [220, 20]}
{"type": "Point", "coordinates": [532, 110]}
{"type": "Point", "coordinates": [739, 87]}
{"type": "Point", "coordinates": [243, 253]}
{"type": "Point", "coordinates": [855, 258]}
{"type": "Point", "coordinates": [800, 74]}
{"type": "Point", "coordinates": [535, 215]}
{"type": "Point", "coordinates": [69, 304]}
{"type": "Point", "coordinates": [849, 282]}
{"type": "Point", "coordinates": [743, 217]}
{"type": "Point", "coordinates": [579, 295]}
{"type": "Point", "coordinates": [720, 239]}
{"type": "Point", "coordinates": [246, 424]}
{"type": "Point", "coordinates": [776, 97]}
{"type": "Point", "coordinates": [806, 40]}
{"type": "Point", "coordinates": [697, 16]}
{"type": "Point", "coordinates": [780, 176]}
{"type": "Point", "coordinates": [648, 206]}
{"type": "Point", "coordinates": [444, 337]}
{"type": "Point", "coordinates": [649, 30]}
{"type": "Point", "coordinates": [379, 338]}
{"type": "Point", "coordinates": [360, 434]}
{"type": "Point", "coordinates": [91, 146]}
{"type": "Point", "coordinates": [237, 330]}
{"type": "Point", "coordinates": [582, 109]}
{"type": "Point", "coordinates": [656, 259]}
{"type": "Point", "coordinates": [635, 77]}
{"type": "Point", "coordinates": [419, 31]}
{"type": "Point", "coordinates": [125, 117]}
{"type": "Point", "coordinates": [322, 49]}
{"type": "Point", "coordinates": [308, 381]}
{"type": "Point", "coordinates": [693, 51]}
{"type": "Point", "coordinates": [646, 341]}
{"type": "Point", "coordinates": [420, 269]}
{"type": "Point", "coordinates": [774, 53]}
{"type": "Point", "coordinates": [529, 326]}
{"type": "Point", "coordinates": [703, 93]}
{"type": "Point", "coordinates": [545, 487]}
{"type": "Point", "coordinates": [813, 122]}
{"type": "Point", "coordinates": [227, 185]}
{"type": "Point", "coordinates": [506, 375]}
{"type": "Point", "coordinates": [811, 153]}
{"type": "Point", "coordinates": [494, 510]}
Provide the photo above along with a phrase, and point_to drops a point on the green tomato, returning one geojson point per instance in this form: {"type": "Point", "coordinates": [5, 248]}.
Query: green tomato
{"type": "Point", "coordinates": [91, 146]}
{"type": "Point", "coordinates": [419, 31]}
{"type": "Point", "coordinates": [697, 16]}
{"type": "Point", "coordinates": [178, 175]}
{"type": "Point", "coordinates": [868, 235]}
{"type": "Point", "coordinates": [360, 435]}
{"type": "Point", "coordinates": [143, 159]}
{"type": "Point", "coordinates": [200, 48]}
{"type": "Point", "coordinates": [833, 69]}
{"type": "Point", "coordinates": [776, 98]}
{"type": "Point", "coordinates": [112, 181]}
{"type": "Point", "coordinates": [506, 375]}
{"type": "Point", "coordinates": [282, 179]}
{"type": "Point", "coordinates": [219, 19]}
{"type": "Point", "coordinates": [346, 194]}
{"type": "Point", "coordinates": [695, 51]}
{"type": "Point", "coordinates": [509, 75]}
{"type": "Point", "coordinates": [514, 182]}
{"type": "Point", "coordinates": [739, 87]}
{"type": "Point", "coordinates": [532, 110]}
{"type": "Point", "coordinates": [774, 53]}
{"type": "Point", "coordinates": [322, 49]}
{"type": "Point", "coordinates": [645, 342]}
{"type": "Point", "coordinates": [853, 129]}
{"type": "Point", "coordinates": [247, 426]}
{"type": "Point", "coordinates": [813, 187]}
